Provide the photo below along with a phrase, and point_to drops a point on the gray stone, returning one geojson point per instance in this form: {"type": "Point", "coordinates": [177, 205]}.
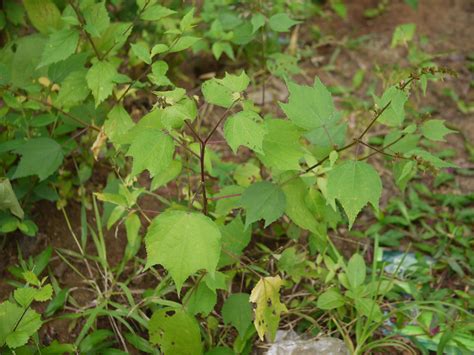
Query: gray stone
{"type": "Point", "coordinates": [289, 343]}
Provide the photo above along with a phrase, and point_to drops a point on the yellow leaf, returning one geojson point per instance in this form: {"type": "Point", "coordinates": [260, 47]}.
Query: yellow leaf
{"type": "Point", "coordinates": [266, 294]}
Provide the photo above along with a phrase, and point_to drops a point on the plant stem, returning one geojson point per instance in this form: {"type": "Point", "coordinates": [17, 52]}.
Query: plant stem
{"type": "Point", "coordinates": [82, 24]}
{"type": "Point", "coordinates": [203, 178]}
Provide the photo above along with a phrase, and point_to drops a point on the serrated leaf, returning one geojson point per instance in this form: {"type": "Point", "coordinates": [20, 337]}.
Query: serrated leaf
{"type": "Point", "coordinates": [353, 184]}
{"type": "Point", "coordinates": [170, 173]}
{"type": "Point", "coordinates": [266, 294]}
{"type": "Point", "coordinates": [281, 145]}
{"type": "Point", "coordinates": [150, 148]}
{"type": "Point", "coordinates": [175, 331]}
{"type": "Point", "coordinates": [263, 200]}
{"type": "Point", "coordinates": [281, 22]}
{"type": "Point", "coordinates": [310, 107]}
{"type": "Point", "coordinates": [43, 14]}
{"type": "Point", "coordinates": [183, 243]}
{"type": "Point", "coordinates": [224, 92]}
{"type": "Point", "coordinates": [14, 317]}
{"type": "Point", "coordinates": [202, 300]}
{"type": "Point", "coordinates": [25, 295]}
{"type": "Point", "coordinates": [8, 199]}
{"type": "Point", "coordinates": [356, 271]}
{"type": "Point", "coordinates": [17, 339]}
{"type": "Point", "coordinates": [243, 129]}
{"type": "Point", "coordinates": [39, 156]}
{"type": "Point", "coordinates": [237, 311]}
{"type": "Point", "coordinates": [60, 45]}
{"type": "Point", "coordinates": [44, 293]}
{"type": "Point", "coordinates": [435, 130]}
{"type": "Point", "coordinates": [330, 299]}
{"type": "Point", "coordinates": [100, 80]}
{"type": "Point", "coordinates": [394, 115]}
{"type": "Point", "coordinates": [97, 19]}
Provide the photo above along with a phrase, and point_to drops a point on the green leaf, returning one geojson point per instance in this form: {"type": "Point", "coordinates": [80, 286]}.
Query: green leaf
{"type": "Point", "coordinates": [243, 129]}
{"type": "Point", "coordinates": [12, 316]}
{"type": "Point", "coordinates": [100, 80]}
{"type": "Point", "coordinates": [156, 12]}
{"type": "Point", "coordinates": [8, 199]}
{"type": "Point", "coordinates": [60, 45]}
{"type": "Point", "coordinates": [141, 51]}
{"type": "Point", "coordinates": [354, 184]}
{"type": "Point", "coordinates": [330, 299]}
{"type": "Point", "coordinates": [39, 156]}
{"type": "Point", "coordinates": [257, 21]}
{"type": "Point", "coordinates": [281, 145]}
{"type": "Point", "coordinates": [183, 43]}
{"type": "Point", "coordinates": [74, 89]}
{"type": "Point", "coordinates": [266, 294]}
{"type": "Point", "coordinates": [238, 312]}
{"type": "Point", "coordinates": [296, 192]}
{"type": "Point", "coordinates": [97, 19]}
{"type": "Point", "coordinates": [43, 14]}
{"type": "Point", "coordinates": [281, 22]}
{"type": "Point", "coordinates": [201, 300]}
{"type": "Point", "coordinates": [175, 331]}
{"type": "Point", "coordinates": [368, 308]}
{"type": "Point", "coordinates": [183, 243]}
{"type": "Point", "coordinates": [17, 339]}
{"type": "Point", "coordinates": [310, 107]}
{"type": "Point", "coordinates": [170, 173]}
{"type": "Point", "coordinates": [356, 271]}
{"type": "Point", "coordinates": [263, 200]}
{"type": "Point", "coordinates": [403, 34]}
{"type": "Point", "coordinates": [225, 205]}
{"type": "Point", "coordinates": [151, 149]}
{"type": "Point", "coordinates": [222, 47]}
{"type": "Point", "coordinates": [394, 115]}
{"type": "Point", "coordinates": [118, 122]}
{"type": "Point", "coordinates": [235, 237]}
{"type": "Point", "coordinates": [435, 130]}
{"type": "Point", "coordinates": [224, 92]}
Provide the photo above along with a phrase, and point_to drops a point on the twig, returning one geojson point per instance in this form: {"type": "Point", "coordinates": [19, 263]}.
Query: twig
{"type": "Point", "coordinates": [82, 24]}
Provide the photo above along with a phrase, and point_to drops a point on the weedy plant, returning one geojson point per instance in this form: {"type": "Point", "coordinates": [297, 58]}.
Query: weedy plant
{"type": "Point", "coordinates": [72, 106]}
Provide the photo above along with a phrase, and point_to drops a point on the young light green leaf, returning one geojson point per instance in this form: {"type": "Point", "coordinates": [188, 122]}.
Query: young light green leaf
{"type": "Point", "coordinates": [100, 80]}
{"type": "Point", "coordinates": [354, 183]}
{"type": "Point", "coordinates": [8, 199]}
{"type": "Point", "coordinates": [170, 173]}
{"type": "Point", "coordinates": [394, 115]}
{"type": "Point", "coordinates": [201, 300]}
{"type": "Point", "coordinates": [14, 319]}
{"type": "Point", "coordinates": [310, 107]}
{"type": "Point", "coordinates": [175, 331]}
{"type": "Point", "coordinates": [159, 48]}
{"type": "Point", "coordinates": [61, 44]}
{"type": "Point", "coordinates": [281, 145]}
{"type": "Point", "coordinates": [266, 294]}
{"type": "Point", "coordinates": [330, 299]}
{"type": "Point", "coordinates": [97, 19]}
{"type": "Point", "coordinates": [356, 271]}
{"type": "Point", "coordinates": [39, 156]}
{"type": "Point", "coordinates": [257, 21]}
{"type": "Point", "coordinates": [183, 243]}
{"type": "Point", "coordinates": [118, 122]}
{"type": "Point", "coordinates": [238, 312]}
{"type": "Point", "coordinates": [435, 130]}
{"type": "Point", "coordinates": [224, 92]}
{"type": "Point", "coordinates": [243, 129]}
{"type": "Point", "coordinates": [281, 22]}
{"type": "Point", "coordinates": [222, 47]}
{"type": "Point", "coordinates": [263, 200]}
